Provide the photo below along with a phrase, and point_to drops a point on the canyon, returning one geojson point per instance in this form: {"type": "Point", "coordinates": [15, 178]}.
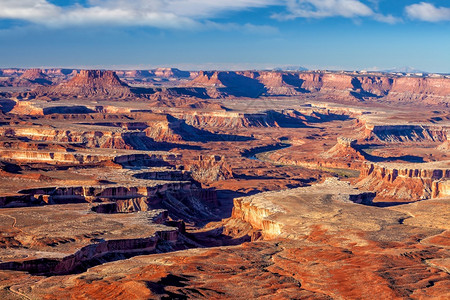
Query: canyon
{"type": "Point", "coordinates": [171, 184]}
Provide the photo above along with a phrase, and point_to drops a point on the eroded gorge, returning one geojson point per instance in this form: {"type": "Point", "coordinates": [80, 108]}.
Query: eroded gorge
{"type": "Point", "coordinates": [226, 185]}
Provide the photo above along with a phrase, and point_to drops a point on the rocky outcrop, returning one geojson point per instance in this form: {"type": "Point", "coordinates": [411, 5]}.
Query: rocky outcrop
{"type": "Point", "coordinates": [227, 119]}
{"type": "Point", "coordinates": [60, 195]}
{"type": "Point", "coordinates": [258, 216]}
{"type": "Point", "coordinates": [35, 75]}
{"type": "Point", "coordinates": [209, 169]}
{"type": "Point", "coordinates": [344, 154]}
{"type": "Point", "coordinates": [183, 199]}
{"type": "Point", "coordinates": [52, 157]}
{"type": "Point", "coordinates": [88, 83]}
{"type": "Point", "coordinates": [78, 158]}
{"type": "Point", "coordinates": [19, 201]}
{"type": "Point", "coordinates": [29, 78]}
{"type": "Point", "coordinates": [231, 120]}
{"type": "Point", "coordinates": [406, 133]}
{"type": "Point", "coordinates": [171, 73]}
{"type": "Point", "coordinates": [446, 145]}
{"type": "Point", "coordinates": [440, 188]}
{"type": "Point", "coordinates": [95, 252]}
{"type": "Point", "coordinates": [404, 182]}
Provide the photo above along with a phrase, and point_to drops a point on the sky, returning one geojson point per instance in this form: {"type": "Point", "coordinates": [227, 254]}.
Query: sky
{"type": "Point", "coordinates": [226, 34]}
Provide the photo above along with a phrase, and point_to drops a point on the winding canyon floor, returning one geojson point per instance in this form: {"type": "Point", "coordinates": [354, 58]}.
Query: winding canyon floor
{"type": "Point", "coordinates": [242, 198]}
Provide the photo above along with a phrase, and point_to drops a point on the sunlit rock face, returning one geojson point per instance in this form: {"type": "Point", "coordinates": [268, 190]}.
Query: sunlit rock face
{"type": "Point", "coordinates": [404, 181]}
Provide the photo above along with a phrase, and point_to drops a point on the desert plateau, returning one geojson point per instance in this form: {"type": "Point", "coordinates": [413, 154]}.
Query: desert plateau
{"type": "Point", "coordinates": [224, 185]}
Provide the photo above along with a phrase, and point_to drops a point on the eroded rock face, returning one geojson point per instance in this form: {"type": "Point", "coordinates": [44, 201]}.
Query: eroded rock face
{"type": "Point", "coordinates": [344, 154]}
{"type": "Point", "coordinates": [446, 145]}
{"type": "Point", "coordinates": [89, 83]}
{"type": "Point", "coordinates": [403, 181]}
{"type": "Point", "coordinates": [170, 72]}
{"type": "Point", "coordinates": [407, 133]}
{"type": "Point", "coordinates": [33, 74]}
{"type": "Point", "coordinates": [210, 168]}
{"type": "Point", "coordinates": [334, 85]}
{"type": "Point", "coordinates": [440, 189]}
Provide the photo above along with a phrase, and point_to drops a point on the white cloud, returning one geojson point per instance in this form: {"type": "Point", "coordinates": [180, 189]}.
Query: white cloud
{"type": "Point", "coordinates": [331, 8]}
{"type": "Point", "coordinates": [31, 10]}
{"type": "Point", "coordinates": [155, 13]}
{"type": "Point", "coordinates": [425, 11]}
{"type": "Point", "coordinates": [184, 14]}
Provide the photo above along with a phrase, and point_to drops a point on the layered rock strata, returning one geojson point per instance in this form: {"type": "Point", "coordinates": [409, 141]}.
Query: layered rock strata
{"type": "Point", "coordinates": [406, 133]}
{"type": "Point", "coordinates": [334, 85]}
{"type": "Point", "coordinates": [404, 181]}
{"type": "Point", "coordinates": [88, 83]}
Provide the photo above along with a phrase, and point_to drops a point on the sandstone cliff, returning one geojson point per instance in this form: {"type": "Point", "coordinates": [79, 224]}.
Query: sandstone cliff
{"type": "Point", "coordinates": [404, 182]}
{"type": "Point", "coordinates": [406, 133]}
{"type": "Point", "coordinates": [275, 213]}
{"type": "Point", "coordinates": [88, 83]}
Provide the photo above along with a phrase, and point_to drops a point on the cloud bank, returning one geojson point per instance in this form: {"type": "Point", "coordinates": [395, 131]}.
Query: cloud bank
{"type": "Point", "coordinates": [154, 13]}
{"type": "Point", "coordinates": [425, 11]}
{"type": "Point", "coordinates": [192, 14]}
{"type": "Point", "coordinates": [331, 8]}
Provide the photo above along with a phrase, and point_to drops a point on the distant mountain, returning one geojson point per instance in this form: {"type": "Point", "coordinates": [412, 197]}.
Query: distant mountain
{"type": "Point", "coordinates": [291, 68]}
{"type": "Point", "coordinates": [404, 70]}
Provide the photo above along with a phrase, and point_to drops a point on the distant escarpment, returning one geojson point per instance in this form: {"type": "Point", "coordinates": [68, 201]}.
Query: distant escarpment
{"type": "Point", "coordinates": [29, 78]}
{"type": "Point", "coordinates": [395, 133]}
{"type": "Point", "coordinates": [337, 86]}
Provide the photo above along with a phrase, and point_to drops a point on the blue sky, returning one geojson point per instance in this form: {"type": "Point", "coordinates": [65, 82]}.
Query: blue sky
{"type": "Point", "coordinates": [226, 34]}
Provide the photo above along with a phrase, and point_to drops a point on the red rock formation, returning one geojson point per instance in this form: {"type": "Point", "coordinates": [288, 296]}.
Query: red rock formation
{"type": "Point", "coordinates": [339, 86]}
{"type": "Point", "coordinates": [406, 133]}
{"type": "Point", "coordinates": [344, 154]}
{"type": "Point", "coordinates": [89, 83]}
{"type": "Point", "coordinates": [208, 169]}
{"type": "Point", "coordinates": [440, 188]}
{"type": "Point", "coordinates": [403, 182]}
{"type": "Point", "coordinates": [29, 78]}
{"type": "Point", "coordinates": [446, 145]}
{"type": "Point", "coordinates": [33, 74]}
{"type": "Point", "coordinates": [171, 73]}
